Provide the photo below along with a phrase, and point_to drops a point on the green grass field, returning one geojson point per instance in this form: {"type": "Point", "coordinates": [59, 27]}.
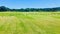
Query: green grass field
{"type": "Point", "coordinates": [29, 22]}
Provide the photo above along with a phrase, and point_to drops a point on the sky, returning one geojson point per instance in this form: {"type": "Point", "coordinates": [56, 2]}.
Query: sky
{"type": "Point", "coordinates": [30, 3]}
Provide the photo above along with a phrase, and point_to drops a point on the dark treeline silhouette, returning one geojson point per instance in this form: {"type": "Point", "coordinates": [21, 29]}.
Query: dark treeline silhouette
{"type": "Point", "coordinates": [3, 8]}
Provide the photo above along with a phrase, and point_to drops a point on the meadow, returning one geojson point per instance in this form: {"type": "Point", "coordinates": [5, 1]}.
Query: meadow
{"type": "Point", "coordinates": [29, 22]}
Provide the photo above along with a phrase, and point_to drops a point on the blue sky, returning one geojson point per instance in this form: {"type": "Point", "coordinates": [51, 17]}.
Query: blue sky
{"type": "Point", "coordinates": [30, 3]}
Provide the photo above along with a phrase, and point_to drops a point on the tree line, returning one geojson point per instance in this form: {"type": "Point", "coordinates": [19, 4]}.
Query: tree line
{"type": "Point", "coordinates": [3, 8]}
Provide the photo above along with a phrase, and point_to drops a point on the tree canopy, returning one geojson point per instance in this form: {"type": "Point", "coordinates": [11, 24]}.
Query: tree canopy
{"type": "Point", "coordinates": [3, 8]}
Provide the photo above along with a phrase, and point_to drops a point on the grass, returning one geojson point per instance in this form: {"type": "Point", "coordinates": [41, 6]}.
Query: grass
{"type": "Point", "coordinates": [29, 22]}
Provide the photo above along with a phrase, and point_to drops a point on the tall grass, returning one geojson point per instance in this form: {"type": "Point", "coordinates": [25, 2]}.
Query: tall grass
{"type": "Point", "coordinates": [29, 22]}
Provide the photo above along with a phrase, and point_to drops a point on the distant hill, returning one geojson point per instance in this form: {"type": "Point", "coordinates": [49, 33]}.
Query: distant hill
{"type": "Point", "coordinates": [3, 8]}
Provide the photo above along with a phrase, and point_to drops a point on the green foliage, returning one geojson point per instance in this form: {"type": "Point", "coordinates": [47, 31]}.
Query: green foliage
{"type": "Point", "coordinates": [3, 8]}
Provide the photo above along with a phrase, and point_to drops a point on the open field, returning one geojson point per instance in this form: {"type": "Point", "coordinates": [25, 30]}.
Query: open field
{"type": "Point", "coordinates": [29, 22]}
